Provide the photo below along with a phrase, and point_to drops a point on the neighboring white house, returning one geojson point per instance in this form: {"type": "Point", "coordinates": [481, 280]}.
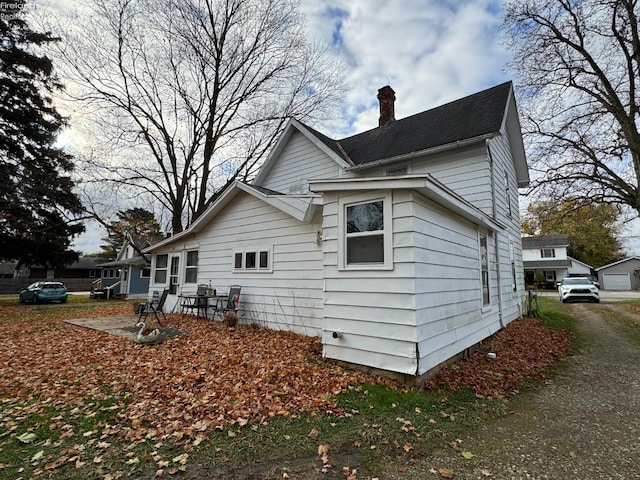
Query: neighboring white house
{"type": "Point", "coordinates": [545, 256]}
{"type": "Point", "coordinates": [399, 246]}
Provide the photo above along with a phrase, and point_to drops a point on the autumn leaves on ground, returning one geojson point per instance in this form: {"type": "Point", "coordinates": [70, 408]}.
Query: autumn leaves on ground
{"type": "Point", "coordinates": [55, 378]}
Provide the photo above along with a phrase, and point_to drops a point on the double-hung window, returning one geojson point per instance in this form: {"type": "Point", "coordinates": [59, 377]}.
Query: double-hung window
{"type": "Point", "coordinates": [191, 267]}
{"type": "Point", "coordinates": [160, 275]}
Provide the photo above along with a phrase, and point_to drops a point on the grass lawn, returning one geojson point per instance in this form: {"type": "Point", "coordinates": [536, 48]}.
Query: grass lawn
{"type": "Point", "coordinates": [81, 404]}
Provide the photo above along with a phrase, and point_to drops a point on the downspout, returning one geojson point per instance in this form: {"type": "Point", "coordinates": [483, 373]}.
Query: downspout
{"type": "Point", "coordinates": [495, 233]}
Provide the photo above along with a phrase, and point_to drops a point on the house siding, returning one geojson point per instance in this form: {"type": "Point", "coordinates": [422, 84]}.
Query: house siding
{"type": "Point", "coordinates": [465, 171]}
{"type": "Point", "coordinates": [290, 296]}
{"type": "Point", "coordinates": [299, 162]}
{"type": "Point", "coordinates": [374, 310]}
{"type": "Point", "coordinates": [449, 313]}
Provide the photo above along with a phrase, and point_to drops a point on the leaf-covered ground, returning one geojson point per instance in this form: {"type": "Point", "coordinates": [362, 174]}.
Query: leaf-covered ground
{"type": "Point", "coordinates": [210, 378]}
{"type": "Point", "coordinates": [525, 349]}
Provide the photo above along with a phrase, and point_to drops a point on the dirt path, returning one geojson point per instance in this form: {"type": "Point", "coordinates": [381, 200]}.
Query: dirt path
{"type": "Point", "coordinates": [585, 425]}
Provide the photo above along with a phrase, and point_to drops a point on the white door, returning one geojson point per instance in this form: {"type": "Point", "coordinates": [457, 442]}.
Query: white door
{"type": "Point", "coordinates": [616, 281]}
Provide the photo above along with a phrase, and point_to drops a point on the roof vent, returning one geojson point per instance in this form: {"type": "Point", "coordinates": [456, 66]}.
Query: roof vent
{"type": "Point", "coordinates": [387, 99]}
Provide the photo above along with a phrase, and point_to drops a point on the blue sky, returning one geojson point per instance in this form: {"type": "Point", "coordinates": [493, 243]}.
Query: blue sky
{"type": "Point", "coordinates": [429, 51]}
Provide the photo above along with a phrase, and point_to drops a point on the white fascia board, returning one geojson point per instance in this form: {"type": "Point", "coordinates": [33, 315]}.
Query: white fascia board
{"type": "Point", "coordinates": [511, 125]}
{"type": "Point", "coordinates": [297, 206]}
{"type": "Point", "coordinates": [424, 184]}
{"type": "Point", "coordinates": [617, 263]}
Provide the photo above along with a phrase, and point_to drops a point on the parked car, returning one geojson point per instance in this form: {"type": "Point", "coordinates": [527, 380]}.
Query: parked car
{"type": "Point", "coordinates": [44, 292]}
{"type": "Point", "coordinates": [578, 288]}
{"type": "Point", "coordinates": [593, 279]}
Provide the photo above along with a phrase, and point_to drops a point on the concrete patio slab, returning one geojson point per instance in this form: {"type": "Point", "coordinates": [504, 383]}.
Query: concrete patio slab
{"type": "Point", "coordinates": [119, 325]}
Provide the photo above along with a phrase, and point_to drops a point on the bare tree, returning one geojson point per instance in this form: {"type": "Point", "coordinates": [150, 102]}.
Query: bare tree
{"type": "Point", "coordinates": [185, 96]}
{"type": "Point", "coordinates": [577, 65]}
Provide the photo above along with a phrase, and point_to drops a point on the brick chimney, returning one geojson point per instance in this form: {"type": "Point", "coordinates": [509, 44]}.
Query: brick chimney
{"type": "Point", "coordinates": [387, 99]}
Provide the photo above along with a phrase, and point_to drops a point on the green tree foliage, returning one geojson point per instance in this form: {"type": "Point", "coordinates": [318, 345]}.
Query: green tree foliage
{"type": "Point", "coordinates": [592, 229]}
{"type": "Point", "coordinates": [36, 198]}
{"type": "Point", "coordinates": [577, 66]}
{"type": "Point", "coordinates": [137, 223]}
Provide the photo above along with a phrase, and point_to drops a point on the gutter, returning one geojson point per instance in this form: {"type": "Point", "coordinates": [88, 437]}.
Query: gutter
{"type": "Point", "coordinates": [420, 153]}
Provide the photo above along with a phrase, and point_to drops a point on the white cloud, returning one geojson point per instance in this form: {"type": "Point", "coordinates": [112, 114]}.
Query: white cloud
{"type": "Point", "coordinates": [430, 52]}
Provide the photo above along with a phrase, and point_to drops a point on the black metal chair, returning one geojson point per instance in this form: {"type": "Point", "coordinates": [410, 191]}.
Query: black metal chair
{"type": "Point", "coordinates": [199, 303]}
{"type": "Point", "coordinates": [155, 306]}
{"type": "Point", "coordinates": [231, 303]}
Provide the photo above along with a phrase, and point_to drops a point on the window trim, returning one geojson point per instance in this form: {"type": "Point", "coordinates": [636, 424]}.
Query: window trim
{"type": "Point", "coordinates": [484, 235]}
{"type": "Point", "coordinates": [164, 269]}
{"type": "Point", "coordinates": [387, 230]}
{"type": "Point", "coordinates": [188, 267]}
{"type": "Point", "coordinates": [243, 260]}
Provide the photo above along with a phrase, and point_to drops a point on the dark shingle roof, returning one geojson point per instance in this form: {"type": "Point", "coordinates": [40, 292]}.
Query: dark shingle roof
{"type": "Point", "coordinates": [470, 117]}
{"type": "Point", "coordinates": [541, 241]}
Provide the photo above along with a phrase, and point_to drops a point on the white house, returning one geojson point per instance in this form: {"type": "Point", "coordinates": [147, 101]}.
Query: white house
{"type": "Point", "coordinates": [399, 246]}
{"type": "Point", "coordinates": [545, 256]}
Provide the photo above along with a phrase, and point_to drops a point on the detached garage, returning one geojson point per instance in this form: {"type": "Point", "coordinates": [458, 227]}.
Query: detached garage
{"type": "Point", "coordinates": [621, 275]}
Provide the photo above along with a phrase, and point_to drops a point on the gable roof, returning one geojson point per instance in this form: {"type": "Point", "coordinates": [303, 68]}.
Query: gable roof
{"type": "Point", "coordinates": [624, 260]}
{"type": "Point", "coordinates": [540, 241]}
{"type": "Point", "coordinates": [476, 116]}
{"type": "Point", "coordinates": [465, 121]}
{"type": "Point", "coordinates": [300, 207]}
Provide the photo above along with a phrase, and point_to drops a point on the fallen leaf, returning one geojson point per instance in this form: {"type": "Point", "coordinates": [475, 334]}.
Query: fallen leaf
{"type": "Point", "coordinates": [468, 455]}
{"type": "Point", "coordinates": [407, 447]}
{"type": "Point", "coordinates": [314, 434]}
{"type": "Point", "coordinates": [27, 437]}
{"type": "Point", "coordinates": [485, 472]}
{"type": "Point", "coordinates": [37, 456]}
{"type": "Point", "coordinates": [446, 473]}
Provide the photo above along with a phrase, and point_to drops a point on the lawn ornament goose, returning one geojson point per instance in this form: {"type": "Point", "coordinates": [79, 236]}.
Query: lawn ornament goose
{"type": "Point", "coordinates": [154, 337]}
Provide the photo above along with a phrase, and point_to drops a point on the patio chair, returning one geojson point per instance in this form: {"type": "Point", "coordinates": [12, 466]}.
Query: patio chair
{"type": "Point", "coordinates": [199, 303]}
{"type": "Point", "coordinates": [231, 303]}
{"type": "Point", "coordinates": [155, 306]}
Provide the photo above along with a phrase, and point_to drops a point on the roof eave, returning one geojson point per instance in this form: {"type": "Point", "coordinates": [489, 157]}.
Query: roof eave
{"type": "Point", "coordinates": [427, 151]}
{"type": "Point", "coordinates": [426, 185]}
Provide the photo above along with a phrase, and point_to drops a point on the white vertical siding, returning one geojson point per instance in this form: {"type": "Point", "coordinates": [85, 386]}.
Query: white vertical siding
{"type": "Point", "coordinates": [290, 296]}
{"type": "Point", "coordinates": [299, 162]}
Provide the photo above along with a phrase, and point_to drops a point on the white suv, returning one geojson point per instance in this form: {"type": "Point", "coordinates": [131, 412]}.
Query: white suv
{"type": "Point", "coordinates": [578, 288]}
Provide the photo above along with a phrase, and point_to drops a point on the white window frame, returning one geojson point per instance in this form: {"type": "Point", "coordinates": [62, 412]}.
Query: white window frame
{"type": "Point", "coordinates": [188, 268]}
{"type": "Point", "coordinates": [552, 251]}
{"type": "Point", "coordinates": [387, 232]}
{"type": "Point", "coordinates": [485, 268]}
{"type": "Point", "coordinates": [257, 252]}
{"type": "Point", "coordinates": [164, 269]}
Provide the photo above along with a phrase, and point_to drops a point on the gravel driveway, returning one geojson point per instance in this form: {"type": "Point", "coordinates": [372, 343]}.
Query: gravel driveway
{"type": "Point", "coordinates": [584, 425]}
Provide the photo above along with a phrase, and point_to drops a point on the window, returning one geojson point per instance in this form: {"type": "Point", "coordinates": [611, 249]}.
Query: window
{"type": "Point", "coordinates": [191, 268]}
{"type": "Point", "coordinates": [145, 273]}
{"type": "Point", "coordinates": [507, 193]}
{"type": "Point", "coordinates": [249, 260]}
{"type": "Point", "coordinates": [513, 267]}
{"type": "Point", "coordinates": [365, 233]}
{"type": "Point", "coordinates": [161, 269]}
{"type": "Point", "coordinates": [484, 269]}
{"type": "Point", "coordinates": [548, 253]}
{"type": "Point", "coordinates": [252, 260]}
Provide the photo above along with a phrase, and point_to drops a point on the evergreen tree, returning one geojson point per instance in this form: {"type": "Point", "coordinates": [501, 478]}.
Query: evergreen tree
{"type": "Point", "coordinates": [139, 223]}
{"type": "Point", "coordinates": [36, 198]}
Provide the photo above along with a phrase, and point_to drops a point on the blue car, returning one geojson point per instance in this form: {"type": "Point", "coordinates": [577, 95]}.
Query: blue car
{"type": "Point", "coordinates": [44, 292]}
